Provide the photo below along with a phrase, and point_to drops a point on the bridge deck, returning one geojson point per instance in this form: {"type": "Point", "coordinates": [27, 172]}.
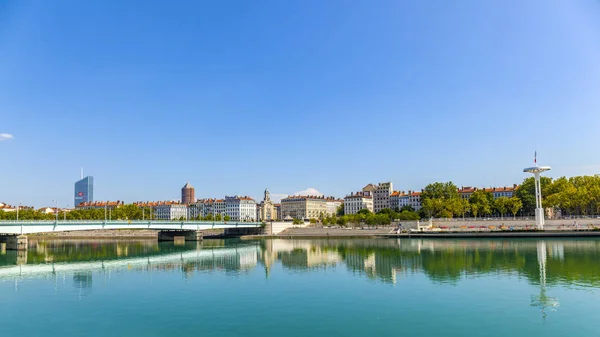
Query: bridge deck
{"type": "Point", "coordinates": [30, 227]}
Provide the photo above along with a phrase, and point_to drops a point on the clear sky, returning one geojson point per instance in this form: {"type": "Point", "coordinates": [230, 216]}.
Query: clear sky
{"type": "Point", "coordinates": [236, 96]}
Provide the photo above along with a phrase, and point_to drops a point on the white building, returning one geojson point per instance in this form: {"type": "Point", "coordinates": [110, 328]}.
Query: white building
{"type": "Point", "coordinates": [240, 208]}
{"type": "Point", "coordinates": [170, 211]}
{"type": "Point", "coordinates": [357, 201]}
{"type": "Point", "coordinates": [381, 196]}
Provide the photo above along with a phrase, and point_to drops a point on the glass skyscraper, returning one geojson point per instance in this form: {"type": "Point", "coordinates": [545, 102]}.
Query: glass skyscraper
{"type": "Point", "coordinates": [84, 190]}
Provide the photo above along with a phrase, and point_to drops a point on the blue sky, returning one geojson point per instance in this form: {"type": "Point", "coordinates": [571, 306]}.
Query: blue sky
{"type": "Point", "coordinates": [236, 96]}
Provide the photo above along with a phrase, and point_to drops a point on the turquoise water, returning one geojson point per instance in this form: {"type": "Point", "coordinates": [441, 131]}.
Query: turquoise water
{"type": "Point", "coordinates": [412, 287]}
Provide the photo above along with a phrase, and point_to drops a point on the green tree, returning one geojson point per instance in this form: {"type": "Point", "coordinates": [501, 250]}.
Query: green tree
{"type": "Point", "coordinates": [526, 192]}
{"type": "Point", "coordinates": [501, 205]}
{"type": "Point", "coordinates": [514, 205]}
{"type": "Point", "coordinates": [340, 210]}
{"type": "Point", "coordinates": [226, 217]}
{"type": "Point", "coordinates": [439, 190]}
{"type": "Point", "coordinates": [481, 202]}
{"type": "Point", "coordinates": [440, 200]}
{"type": "Point", "coordinates": [342, 221]}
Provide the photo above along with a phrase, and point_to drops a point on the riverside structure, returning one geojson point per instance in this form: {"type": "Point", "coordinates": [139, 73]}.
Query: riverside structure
{"type": "Point", "coordinates": [12, 233]}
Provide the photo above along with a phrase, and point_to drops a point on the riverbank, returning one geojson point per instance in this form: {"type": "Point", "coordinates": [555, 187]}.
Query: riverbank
{"type": "Point", "coordinates": [114, 234]}
{"type": "Point", "coordinates": [391, 232]}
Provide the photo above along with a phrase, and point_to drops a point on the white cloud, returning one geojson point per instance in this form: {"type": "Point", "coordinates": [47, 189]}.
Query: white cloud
{"type": "Point", "coordinates": [5, 136]}
{"type": "Point", "coordinates": [276, 197]}
{"type": "Point", "coordinates": [309, 191]}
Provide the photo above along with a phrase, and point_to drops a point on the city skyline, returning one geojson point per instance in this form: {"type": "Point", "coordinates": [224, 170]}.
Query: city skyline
{"type": "Point", "coordinates": [275, 197]}
{"type": "Point", "coordinates": [238, 97]}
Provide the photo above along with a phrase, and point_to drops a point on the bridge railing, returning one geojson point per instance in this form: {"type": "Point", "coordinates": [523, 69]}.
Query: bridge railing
{"type": "Point", "coordinates": [121, 222]}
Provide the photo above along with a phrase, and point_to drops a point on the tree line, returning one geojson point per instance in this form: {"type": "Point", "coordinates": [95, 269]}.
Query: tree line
{"type": "Point", "coordinates": [575, 196]}
{"type": "Point", "coordinates": [442, 200]}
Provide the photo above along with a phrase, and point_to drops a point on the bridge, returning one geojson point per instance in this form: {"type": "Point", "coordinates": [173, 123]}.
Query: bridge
{"type": "Point", "coordinates": [236, 258]}
{"type": "Point", "coordinates": [13, 232]}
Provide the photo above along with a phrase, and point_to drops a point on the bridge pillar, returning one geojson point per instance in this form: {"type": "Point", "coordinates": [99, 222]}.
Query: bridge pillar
{"type": "Point", "coordinates": [14, 242]}
{"type": "Point", "coordinates": [178, 235]}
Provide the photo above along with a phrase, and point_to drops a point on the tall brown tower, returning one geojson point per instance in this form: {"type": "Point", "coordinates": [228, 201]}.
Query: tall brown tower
{"type": "Point", "coordinates": [188, 194]}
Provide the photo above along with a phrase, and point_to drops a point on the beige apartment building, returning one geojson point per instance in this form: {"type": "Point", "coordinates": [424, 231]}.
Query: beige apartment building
{"type": "Point", "coordinates": [303, 207]}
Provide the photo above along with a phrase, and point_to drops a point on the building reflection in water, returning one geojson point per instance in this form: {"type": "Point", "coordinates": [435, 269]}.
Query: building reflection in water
{"type": "Point", "coordinates": [541, 262]}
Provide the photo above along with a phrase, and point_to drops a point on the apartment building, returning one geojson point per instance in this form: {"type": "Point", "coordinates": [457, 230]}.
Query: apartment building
{"type": "Point", "coordinates": [303, 207]}
{"type": "Point", "coordinates": [357, 201]}
{"type": "Point", "coordinates": [381, 196]}
{"type": "Point", "coordinates": [240, 208]}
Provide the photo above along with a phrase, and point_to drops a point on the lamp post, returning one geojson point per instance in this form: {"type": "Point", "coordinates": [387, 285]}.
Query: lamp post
{"type": "Point", "coordinates": [65, 212]}
{"type": "Point", "coordinates": [56, 209]}
{"type": "Point", "coordinates": [18, 206]}
{"type": "Point", "coordinates": [539, 210]}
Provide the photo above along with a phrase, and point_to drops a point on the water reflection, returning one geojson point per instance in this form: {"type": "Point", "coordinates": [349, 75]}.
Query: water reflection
{"type": "Point", "coordinates": [543, 301]}
{"type": "Point", "coordinates": [543, 263]}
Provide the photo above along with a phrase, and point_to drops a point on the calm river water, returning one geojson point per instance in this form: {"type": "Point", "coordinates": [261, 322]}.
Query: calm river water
{"type": "Point", "coordinates": [363, 287]}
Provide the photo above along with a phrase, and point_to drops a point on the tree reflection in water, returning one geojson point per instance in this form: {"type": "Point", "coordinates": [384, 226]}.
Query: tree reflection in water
{"type": "Point", "coordinates": [544, 263]}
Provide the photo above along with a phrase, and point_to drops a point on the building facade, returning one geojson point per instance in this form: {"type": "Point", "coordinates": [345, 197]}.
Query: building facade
{"type": "Point", "coordinates": [219, 207]}
{"type": "Point", "coordinates": [84, 191]}
{"type": "Point", "coordinates": [196, 211]}
{"type": "Point", "coordinates": [381, 196]}
{"type": "Point", "coordinates": [357, 201]}
{"type": "Point", "coordinates": [498, 192]}
{"type": "Point", "coordinates": [414, 200]}
{"type": "Point", "coordinates": [240, 208]}
{"type": "Point", "coordinates": [303, 207]}
{"type": "Point", "coordinates": [403, 200]}
{"type": "Point", "coordinates": [169, 210]}
{"type": "Point", "coordinates": [188, 194]}
{"type": "Point", "coordinates": [333, 205]}
{"type": "Point", "coordinates": [266, 209]}
{"type": "Point", "coordinates": [395, 200]}
{"type": "Point", "coordinates": [465, 192]}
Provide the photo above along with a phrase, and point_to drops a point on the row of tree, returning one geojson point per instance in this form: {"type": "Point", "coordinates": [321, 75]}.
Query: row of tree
{"type": "Point", "coordinates": [568, 196]}
{"type": "Point", "coordinates": [367, 218]}
{"type": "Point", "coordinates": [578, 196]}
{"type": "Point", "coordinates": [442, 200]}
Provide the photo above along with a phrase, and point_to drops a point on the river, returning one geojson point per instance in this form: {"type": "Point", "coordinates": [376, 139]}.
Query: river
{"type": "Point", "coordinates": [334, 287]}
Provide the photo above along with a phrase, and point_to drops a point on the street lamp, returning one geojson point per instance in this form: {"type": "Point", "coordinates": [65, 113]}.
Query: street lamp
{"type": "Point", "coordinates": [19, 206]}
{"type": "Point", "coordinates": [56, 209]}
{"type": "Point", "coordinates": [65, 212]}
